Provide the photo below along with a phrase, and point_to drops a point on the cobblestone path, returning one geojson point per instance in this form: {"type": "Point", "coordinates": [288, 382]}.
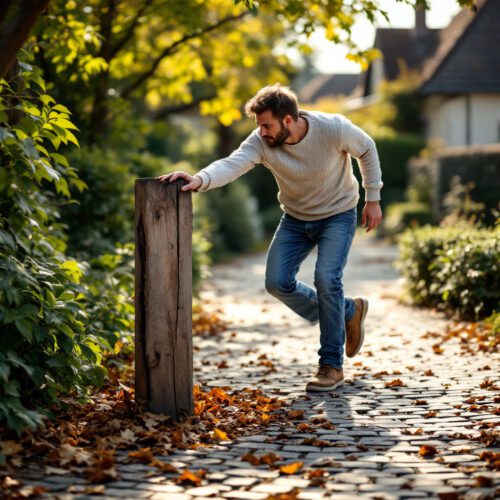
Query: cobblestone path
{"type": "Point", "coordinates": [400, 394]}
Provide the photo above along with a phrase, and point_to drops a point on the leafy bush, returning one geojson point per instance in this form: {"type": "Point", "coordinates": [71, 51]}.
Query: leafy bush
{"type": "Point", "coordinates": [105, 212]}
{"type": "Point", "coordinates": [109, 281]}
{"type": "Point", "coordinates": [455, 268]}
{"type": "Point", "coordinates": [400, 216]}
{"type": "Point", "coordinates": [394, 154]}
{"type": "Point", "coordinates": [235, 223]}
{"type": "Point", "coordinates": [47, 345]}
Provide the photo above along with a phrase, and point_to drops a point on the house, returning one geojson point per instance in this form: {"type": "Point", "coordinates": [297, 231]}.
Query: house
{"type": "Point", "coordinates": [460, 68]}
{"type": "Point", "coordinates": [323, 86]}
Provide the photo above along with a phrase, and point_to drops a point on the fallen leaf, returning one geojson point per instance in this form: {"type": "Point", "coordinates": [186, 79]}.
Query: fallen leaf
{"type": "Point", "coordinates": [291, 468]}
{"type": "Point", "coordinates": [395, 383]}
{"type": "Point", "coordinates": [251, 459]}
{"type": "Point", "coordinates": [295, 414]}
{"type": "Point", "coordinates": [10, 447]}
{"type": "Point", "coordinates": [163, 466]}
{"type": "Point", "coordinates": [143, 455]}
{"type": "Point", "coordinates": [269, 458]}
{"type": "Point", "coordinates": [484, 481]}
{"type": "Point", "coordinates": [427, 451]}
{"type": "Point", "coordinates": [191, 478]}
{"type": "Point", "coordinates": [10, 482]}
{"type": "Point", "coordinates": [292, 495]}
{"type": "Point", "coordinates": [220, 435]}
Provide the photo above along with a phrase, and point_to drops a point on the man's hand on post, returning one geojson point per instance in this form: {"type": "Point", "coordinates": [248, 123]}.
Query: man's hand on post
{"type": "Point", "coordinates": [372, 215]}
{"type": "Point", "coordinates": [194, 182]}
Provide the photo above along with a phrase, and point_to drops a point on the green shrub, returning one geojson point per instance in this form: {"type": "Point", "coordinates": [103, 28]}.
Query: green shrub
{"type": "Point", "coordinates": [469, 274]}
{"type": "Point", "coordinates": [105, 211]}
{"type": "Point", "coordinates": [394, 154]}
{"type": "Point", "coordinates": [401, 216]}
{"type": "Point", "coordinates": [48, 345]}
{"type": "Point", "coordinates": [494, 321]}
{"type": "Point", "coordinates": [455, 268]}
{"type": "Point", "coordinates": [235, 223]}
{"type": "Point", "coordinates": [109, 280]}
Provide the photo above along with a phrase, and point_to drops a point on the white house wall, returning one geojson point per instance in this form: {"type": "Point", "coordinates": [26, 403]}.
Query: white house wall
{"type": "Point", "coordinates": [485, 118]}
{"type": "Point", "coordinates": [446, 119]}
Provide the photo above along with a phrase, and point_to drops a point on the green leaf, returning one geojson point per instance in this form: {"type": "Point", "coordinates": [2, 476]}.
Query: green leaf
{"type": "Point", "coordinates": [52, 174]}
{"type": "Point", "coordinates": [11, 388]}
{"type": "Point", "coordinates": [47, 99]}
{"type": "Point", "coordinates": [60, 107]}
{"type": "Point", "coordinates": [59, 158]}
{"type": "Point", "coordinates": [29, 149]}
{"type": "Point", "coordinates": [71, 138]}
{"type": "Point", "coordinates": [25, 327]}
{"type": "Point", "coordinates": [62, 122]}
{"type": "Point", "coordinates": [4, 371]}
{"type": "Point", "coordinates": [7, 239]}
{"type": "Point", "coordinates": [5, 134]}
{"type": "Point", "coordinates": [67, 330]}
{"type": "Point", "coordinates": [72, 269]}
{"type": "Point", "coordinates": [88, 353]}
{"type": "Point", "coordinates": [40, 148]}
{"type": "Point", "coordinates": [50, 298]}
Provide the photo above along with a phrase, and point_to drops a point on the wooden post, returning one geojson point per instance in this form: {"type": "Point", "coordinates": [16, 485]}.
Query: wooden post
{"type": "Point", "coordinates": [163, 297]}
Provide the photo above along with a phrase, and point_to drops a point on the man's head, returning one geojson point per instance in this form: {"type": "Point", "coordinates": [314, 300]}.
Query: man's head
{"type": "Point", "coordinates": [274, 108]}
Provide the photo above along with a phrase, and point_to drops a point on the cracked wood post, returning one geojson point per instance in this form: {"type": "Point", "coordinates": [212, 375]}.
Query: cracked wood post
{"type": "Point", "coordinates": [163, 297]}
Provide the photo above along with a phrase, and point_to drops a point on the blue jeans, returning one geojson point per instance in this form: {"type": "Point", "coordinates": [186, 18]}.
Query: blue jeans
{"type": "Point", "coordinates": [292, 242]}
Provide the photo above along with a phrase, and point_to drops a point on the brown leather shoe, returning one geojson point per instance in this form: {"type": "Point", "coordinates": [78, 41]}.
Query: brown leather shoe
{"type": "Point", "coordinates": [355, 329]}
{"type": "Point", "coordinates": [326, 379]}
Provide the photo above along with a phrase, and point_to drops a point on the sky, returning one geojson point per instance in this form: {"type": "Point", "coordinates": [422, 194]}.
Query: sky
{"type": "Point", "coordinates": [330, 58]}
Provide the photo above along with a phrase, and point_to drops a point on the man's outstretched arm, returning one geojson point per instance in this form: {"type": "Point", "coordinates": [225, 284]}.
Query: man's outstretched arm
{"type": "Point", "coordinates": [223, 171]}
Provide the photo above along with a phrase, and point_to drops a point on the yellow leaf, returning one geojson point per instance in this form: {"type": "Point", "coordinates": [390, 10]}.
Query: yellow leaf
{"type": "Point", "coordinates": [291, 468]}
{"type": "Point", "coordinates": [220, 435]}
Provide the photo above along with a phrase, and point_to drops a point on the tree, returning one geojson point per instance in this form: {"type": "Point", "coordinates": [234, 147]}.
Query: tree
{"type": "Point", "coordinates": [108, 56]}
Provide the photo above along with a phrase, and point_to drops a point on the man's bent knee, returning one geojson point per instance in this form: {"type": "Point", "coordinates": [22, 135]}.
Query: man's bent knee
{"type": "Point", "coordinates": [277, 287]}
{"type": "Point", "coordinates": [328, 283]}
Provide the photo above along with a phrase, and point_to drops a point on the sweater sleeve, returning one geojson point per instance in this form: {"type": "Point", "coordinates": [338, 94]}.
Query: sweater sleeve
{"type": "Point", "coordinates": [361, 146]}
{"type": "Point", "coordinates": [226, 170]}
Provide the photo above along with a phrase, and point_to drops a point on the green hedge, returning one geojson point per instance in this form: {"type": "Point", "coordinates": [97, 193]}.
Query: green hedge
{"type": "Point", "coordinates": [400, 216]}
{"type": "Point", "coordinates": [394, 154]}
{"type": "Point", "coordinates": [236, 227]}
{"type": "Point", "coordinates": [455, 268]}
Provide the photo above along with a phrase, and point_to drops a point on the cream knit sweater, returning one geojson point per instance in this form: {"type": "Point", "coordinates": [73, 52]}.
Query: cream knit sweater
{"type": "Point", "coordinates": [314, 176]}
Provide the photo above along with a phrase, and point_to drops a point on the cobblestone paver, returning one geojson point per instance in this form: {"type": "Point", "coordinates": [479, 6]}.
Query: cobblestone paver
{"type": "Point", "coordinates": [373, 449]}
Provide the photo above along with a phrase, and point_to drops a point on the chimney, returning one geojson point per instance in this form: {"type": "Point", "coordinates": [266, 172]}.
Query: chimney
{"type": "Point", "coordinates": [420, 27]}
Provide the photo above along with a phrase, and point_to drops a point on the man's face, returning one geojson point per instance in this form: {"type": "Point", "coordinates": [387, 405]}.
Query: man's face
{"type": "Point", "coordinates": [272, 130]}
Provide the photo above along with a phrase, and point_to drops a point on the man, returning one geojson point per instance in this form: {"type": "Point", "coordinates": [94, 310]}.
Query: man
{"type": "Point", "coordinates": [309, 155]}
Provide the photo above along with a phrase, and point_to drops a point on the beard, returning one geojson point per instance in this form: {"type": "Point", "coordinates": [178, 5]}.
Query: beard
{"type": "Point", "coordinates": [279, 140]}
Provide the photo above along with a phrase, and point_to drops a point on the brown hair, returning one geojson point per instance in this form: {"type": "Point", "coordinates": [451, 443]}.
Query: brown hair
{"type": "Point", "coordinates": [281, 101]}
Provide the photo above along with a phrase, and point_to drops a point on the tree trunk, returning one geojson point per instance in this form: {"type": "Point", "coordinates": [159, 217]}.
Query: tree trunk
{"type": "Point", "coordinates": [17, 19]}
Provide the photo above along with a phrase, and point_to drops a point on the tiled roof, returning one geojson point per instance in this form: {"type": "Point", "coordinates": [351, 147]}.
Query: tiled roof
{"type": "Point", "coordinates": [328, 85]}
{"type": "Point", "coordinates": [467, 58]}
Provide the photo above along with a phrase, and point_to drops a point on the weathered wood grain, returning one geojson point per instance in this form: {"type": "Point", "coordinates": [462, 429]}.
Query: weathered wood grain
{"type": "Point", "coordinates": [163, 297]}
